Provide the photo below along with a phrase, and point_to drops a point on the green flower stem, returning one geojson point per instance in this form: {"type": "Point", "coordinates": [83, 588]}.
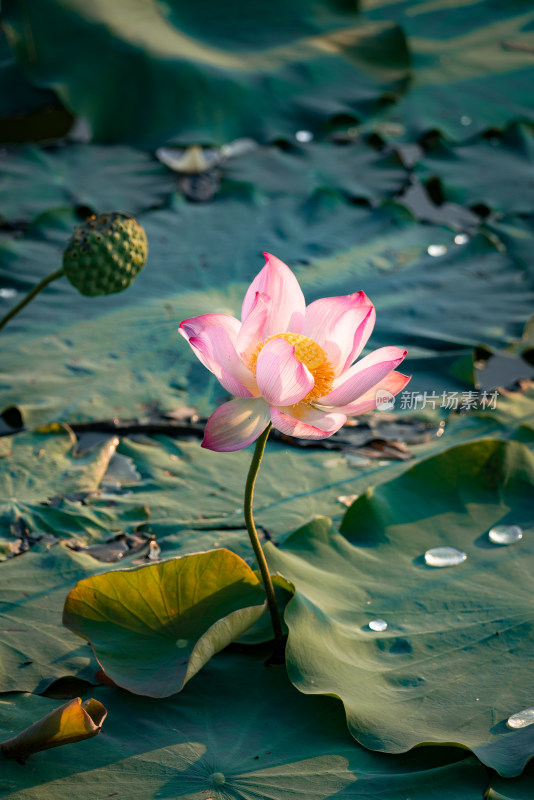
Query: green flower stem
{"type": "Point", "coordinates": [253, 533]}
{"type": "Point", "coordinates": [31, 294]}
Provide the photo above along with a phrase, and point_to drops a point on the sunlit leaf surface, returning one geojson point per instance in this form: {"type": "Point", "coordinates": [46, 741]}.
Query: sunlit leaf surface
{"type": "Point", "coordinates": [153, 627]}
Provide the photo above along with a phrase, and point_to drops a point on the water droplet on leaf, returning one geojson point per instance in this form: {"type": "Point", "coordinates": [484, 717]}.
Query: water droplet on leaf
{"type": "Point", "coordinates": [436, 250]}
{"type": "Point", "coordinates": [444, 557]}
{"type": "Point", "coordinates": [505, 534]}
{"type": "Point", "coordinates": [7, 294]}
{"type": "Point", "coordinates": [461, 238]}
{"type": "Point", "coordinates": [378, 625]}
{"type": "Point", "coordinates": [465, 120]}
{"type": "Point", "coordinates": [521, 719]}
{"type": "Point", "coordinates": [304, 136]}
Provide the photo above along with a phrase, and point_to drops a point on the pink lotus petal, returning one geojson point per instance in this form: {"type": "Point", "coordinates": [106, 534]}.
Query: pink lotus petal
{"type": "Point", "coordinates": [235, 425]}
{"type": "Point", "coordinates": [310, 424]}
{"type": "Point", "coordinates": [251, 333]}
{"type": "Point", "coordinates": [361, 335]}
{"type": "Point", "coordinates": [393, 383]}
{"type": "Point", "coordinates": [341, 325]}
{"type": "Point", "coordinates": [287, 301]}
{"type": "Point", "coordinates": [196, 325]}
{"type": "Point", "coordinates": [282, 378]}
{"type": "Point", "coordinates": [215, 349]}
{"type": "Point", "coordinates": [363, 376]}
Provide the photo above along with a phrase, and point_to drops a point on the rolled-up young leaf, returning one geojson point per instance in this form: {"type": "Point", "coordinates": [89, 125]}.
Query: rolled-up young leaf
{"type": "Point", "coordinates": [71, 722]}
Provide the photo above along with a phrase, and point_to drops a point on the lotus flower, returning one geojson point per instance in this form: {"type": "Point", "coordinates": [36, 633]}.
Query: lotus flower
{"type": "Point", "coordinates": [291, 364]}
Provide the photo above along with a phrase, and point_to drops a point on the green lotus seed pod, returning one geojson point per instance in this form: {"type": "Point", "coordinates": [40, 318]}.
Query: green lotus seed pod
{"type": "Point", "coordinates": [105, 254]}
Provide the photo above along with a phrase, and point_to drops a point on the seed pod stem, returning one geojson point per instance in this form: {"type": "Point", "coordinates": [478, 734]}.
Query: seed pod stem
{"type": "Point", "coordinates": [31, 294]}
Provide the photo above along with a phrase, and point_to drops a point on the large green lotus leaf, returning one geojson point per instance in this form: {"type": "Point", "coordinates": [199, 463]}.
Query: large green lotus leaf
{"type": "Point", "coordinates": [131, 360]}
{"type": "Point", "coordinates": [124, 178]}
{"type": "Point", "coordinates": [472, 65]}
{"type": "Point", "coordinates": [430, 303]}
{"type": "Point", "coordinates": [495, 171]}
{"type": "Point", "coordinates": [238, 731]}
{"type": "Point", "coordinates": [351, 248]}
{"type": "Point", "coordinates": [35, 648]}
{"type": "Point", "coordinates": [452, 665]}
{"type": "Point", "coordinates": [521, 788]}
{"type": "Point", "coordinates": [114, 178]}
{"type": "Point", "coordinates": [153, 627]}
{"type": "Point", "coordinates": [216, 72]}
{"type": "Point", "coordinates": [513, 417]}
{"type": "Point", "coordinates": [355, 169]}
{"type": "Point", "coordinates": [195, 496]}
{"type": "Point", "coordinates": [203, 247]}
{"type": "Point", "coordinates": [516, 233]}
{"type": "Point", "coordinates": [47, 485]}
